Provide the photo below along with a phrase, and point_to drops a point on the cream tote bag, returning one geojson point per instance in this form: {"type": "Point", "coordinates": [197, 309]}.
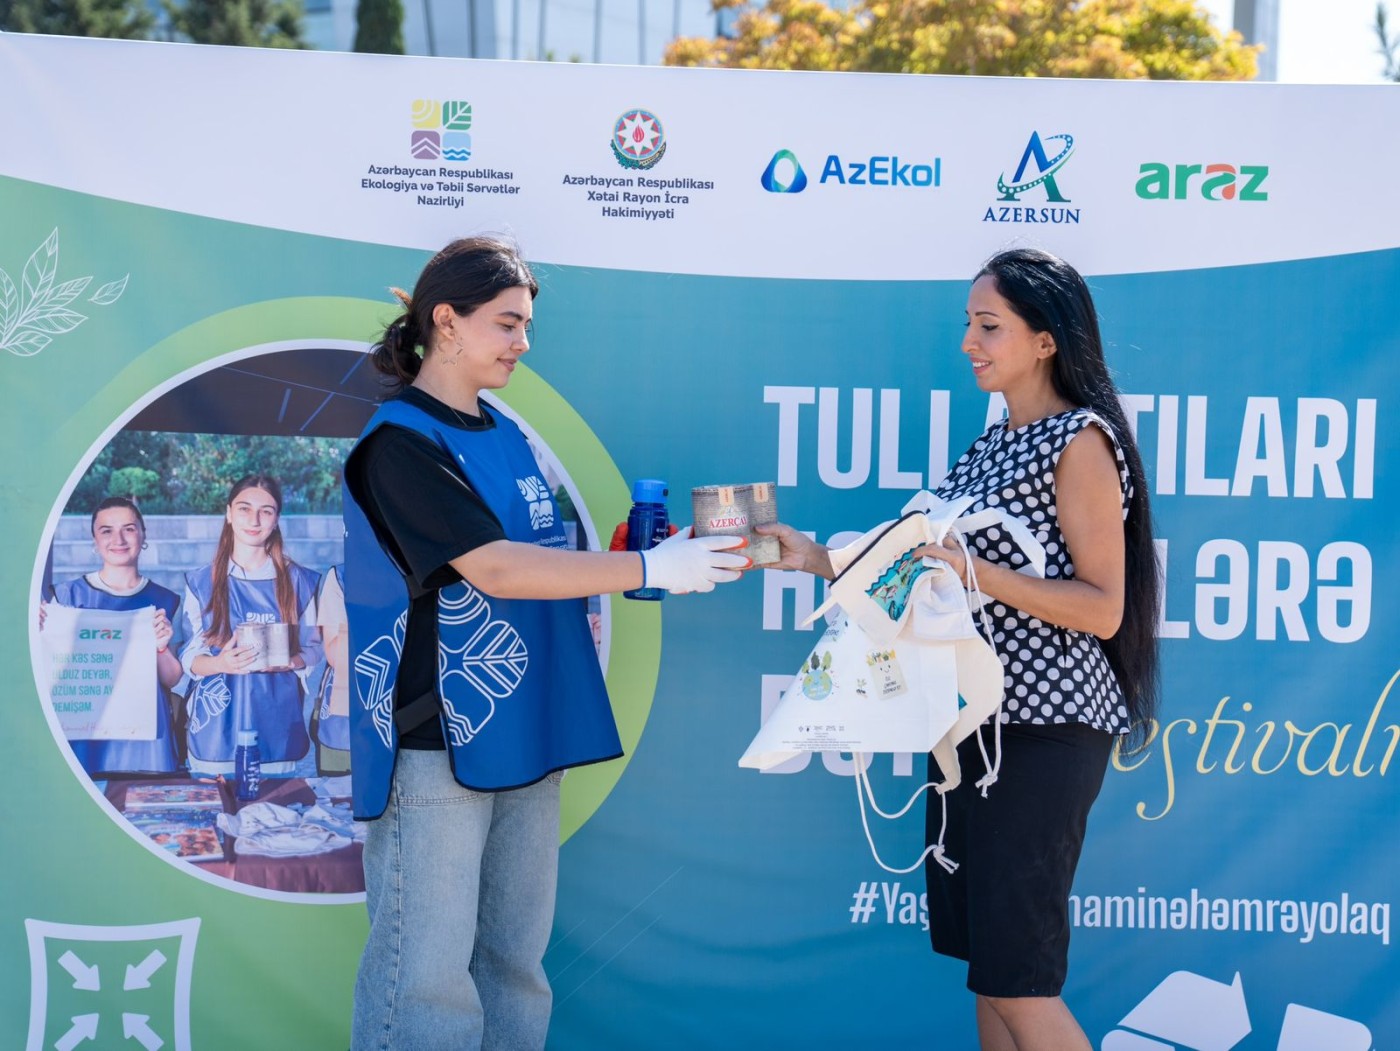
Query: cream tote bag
{"type": "Point", "coordinates": [901, 666]}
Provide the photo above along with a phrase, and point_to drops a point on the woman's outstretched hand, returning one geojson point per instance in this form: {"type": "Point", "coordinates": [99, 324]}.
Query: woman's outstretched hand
{"type": "Point", "coordinates": [798, 551]}
{"type": "Point", "coordinates": [682, 563]}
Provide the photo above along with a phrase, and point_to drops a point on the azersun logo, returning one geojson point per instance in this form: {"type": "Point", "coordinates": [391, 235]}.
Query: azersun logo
{"type": "Point", "coordinates": [1045, 169]}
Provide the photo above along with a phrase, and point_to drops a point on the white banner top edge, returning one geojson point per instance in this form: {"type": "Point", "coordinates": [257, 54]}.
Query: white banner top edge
{"type": "Point", "coordinates": [743, 172]}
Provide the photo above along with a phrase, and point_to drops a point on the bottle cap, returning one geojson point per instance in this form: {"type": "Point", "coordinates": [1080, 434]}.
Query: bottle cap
{"type": "Point", "coordinates": [649, 491]}
{"type": "Point", "coordinates": [247, 738]}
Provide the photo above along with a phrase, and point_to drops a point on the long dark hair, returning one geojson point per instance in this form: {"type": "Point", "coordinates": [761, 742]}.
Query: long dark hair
{"type": "Point", "coordinates": [468, 273]}
{"type": "Point", "coordinates": [220, 628]}
{"type": "Point", "coordinates": [1050, 296]}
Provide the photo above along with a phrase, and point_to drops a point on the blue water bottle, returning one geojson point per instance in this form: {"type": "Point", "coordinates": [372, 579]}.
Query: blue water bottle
{"type": "Point", "coordinates": [247, 765]}
{"type": "Point", "coordinates": [647, 526]}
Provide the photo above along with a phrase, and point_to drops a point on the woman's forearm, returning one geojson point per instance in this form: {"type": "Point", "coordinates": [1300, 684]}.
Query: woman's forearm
{"type": "Point", "coordinates": [509, 569]}
{"type": "Point", "coordinates": [1074, 604]}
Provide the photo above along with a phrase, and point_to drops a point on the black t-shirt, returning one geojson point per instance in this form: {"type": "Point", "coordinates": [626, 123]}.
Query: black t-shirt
{"type": "Point", "coordinates": [425, 514]}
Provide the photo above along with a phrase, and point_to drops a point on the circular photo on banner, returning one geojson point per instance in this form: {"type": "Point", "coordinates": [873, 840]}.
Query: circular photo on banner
{"type": "Point", "coordinates": [209, 512]}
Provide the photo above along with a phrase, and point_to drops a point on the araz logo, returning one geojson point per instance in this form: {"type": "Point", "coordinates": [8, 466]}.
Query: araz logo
{"type": "Point", "coordinates": [878, 170]}
{"type": "Point", "coordinates": [100, 633]}
{"type": "Point", "coordinates": [638, 141]}
{"type": "Point", "coordinates": [796, 179]}
{"type": "Point", "coordinates": [1218, 182]}
{"type": "Point", "coordinates": [441, 131]}
{"type": "Point", "coordinates": [1043, 176]}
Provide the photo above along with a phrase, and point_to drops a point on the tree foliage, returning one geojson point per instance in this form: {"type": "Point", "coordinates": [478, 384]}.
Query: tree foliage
{"type": "Point", "coordinates": [379, 27]}
{"type": "Point", "coordinates": [170, 473]}
{"type": "Point", "coordinates": [244, 23]}
{"type": "Point", "coordinates": [1390, 45]}
{"type": "Point", "coordinates": [121, 19]}
{"type": "Point", "coordinates": [1157, 39]}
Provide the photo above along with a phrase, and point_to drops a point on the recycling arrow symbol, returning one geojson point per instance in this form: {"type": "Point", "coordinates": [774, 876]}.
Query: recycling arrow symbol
{"type": "Point", "coordinates": [1190, 1012]}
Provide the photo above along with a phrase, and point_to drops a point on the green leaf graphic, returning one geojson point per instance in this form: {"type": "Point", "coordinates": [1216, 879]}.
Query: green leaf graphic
{"type": "Point", "coordinates": [55, 320]}
{"type": "Point", "coordinates": [456, 116]}
{"type": "Point", "coordinates": [37, 310]}
{"type": "Point", "coordinates": [9, 303]}
{"type": "Point", "coordinates": [40, 270]}
{"type": "Point", "coordinates": [65, 293]}
{"type": "Point", "coordinates": [109, 293]}
{"type": "Point", "coordinates": [27, 344]}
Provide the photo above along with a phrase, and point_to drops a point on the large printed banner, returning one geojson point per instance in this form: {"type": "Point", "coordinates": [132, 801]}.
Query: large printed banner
{"type": "Point", "coordinates": [746, 277]}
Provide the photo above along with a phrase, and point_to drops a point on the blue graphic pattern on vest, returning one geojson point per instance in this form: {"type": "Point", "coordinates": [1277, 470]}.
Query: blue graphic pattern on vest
{"type": "Point", "coordinates": [521, 690]}
{"type": "Point", "coordinates": [376, 668]}
{"type": "Point", "coordinates": [268, 702]}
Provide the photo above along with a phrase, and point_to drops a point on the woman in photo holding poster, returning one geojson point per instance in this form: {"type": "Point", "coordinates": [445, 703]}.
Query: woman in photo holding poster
{"type": "Point", "coordinates": [119, 535]}
{"type": "Point", "coordinates": [251, 616]}
{"type": "Point", "coordinates": [1078, 646]}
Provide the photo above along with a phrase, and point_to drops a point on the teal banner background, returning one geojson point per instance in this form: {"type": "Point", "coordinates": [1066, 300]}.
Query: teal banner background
{"type": "Point", "coordinates": [704, 906]}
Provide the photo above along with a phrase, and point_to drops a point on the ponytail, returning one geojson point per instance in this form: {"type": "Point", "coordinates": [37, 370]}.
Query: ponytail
{"type": "Point", "coordinates": [396, 354]}
{"type": "Point", "coordinates": [466, 274]}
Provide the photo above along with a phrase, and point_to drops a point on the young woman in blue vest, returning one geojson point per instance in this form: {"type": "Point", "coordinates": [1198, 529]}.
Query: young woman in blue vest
{"type": "Point", "coordinates": [1079, 645]}
{"type": "Point", "coordinates": [250, 580]}
{"type": "Point", "coordinates": [476, 686]}
{"type": "Point", "coordinates": [119, 535]}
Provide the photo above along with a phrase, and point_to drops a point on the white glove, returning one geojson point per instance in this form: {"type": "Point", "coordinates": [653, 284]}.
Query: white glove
{"type": "Point", "coordinates": [683, 563]}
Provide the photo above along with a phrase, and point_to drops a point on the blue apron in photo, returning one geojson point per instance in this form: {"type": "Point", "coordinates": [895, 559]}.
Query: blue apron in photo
{"type": "Point", "coordinates": [333, 731]}
{"type": "Point", "coordinates": [521, 691]}
{"type": "Point", "coordinates": [98, 757]}
{"type": "Point", "coordinates": [268, 702]}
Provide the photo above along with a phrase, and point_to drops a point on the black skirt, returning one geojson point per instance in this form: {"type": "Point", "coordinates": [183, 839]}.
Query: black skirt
{"type": "Point", "coordinates": [1006, 908]}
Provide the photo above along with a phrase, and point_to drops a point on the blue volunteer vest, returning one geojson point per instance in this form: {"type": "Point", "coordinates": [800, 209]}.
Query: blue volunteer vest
{"type": "Point", "coordinates": [268, 702]}
{"type": "Point", "coordinates": [520, 688]}
{"type": "Point", "coordinates": [156, 756]}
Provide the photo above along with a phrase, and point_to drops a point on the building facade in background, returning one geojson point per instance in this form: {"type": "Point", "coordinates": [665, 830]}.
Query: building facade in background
{"type": "Point", "coordinates": [631, 32]}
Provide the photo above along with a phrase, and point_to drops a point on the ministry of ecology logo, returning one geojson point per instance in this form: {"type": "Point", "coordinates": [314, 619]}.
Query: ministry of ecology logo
{"type": "Point", "coordinates": [638, 140]}
{"type": "Point", "coordinates": [441, 131]}
{"type": "Point", "coordinates": [1040, 178]}
{"type": "Point", "coordinates": [1214, 182]}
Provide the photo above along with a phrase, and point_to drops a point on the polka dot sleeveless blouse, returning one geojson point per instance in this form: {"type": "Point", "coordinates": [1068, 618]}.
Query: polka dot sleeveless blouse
{"type": "Point", "coordinates": [1053, 674]}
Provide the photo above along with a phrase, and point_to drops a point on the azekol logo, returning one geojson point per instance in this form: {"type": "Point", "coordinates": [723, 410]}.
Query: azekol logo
{"type": "Point", "coordinates": [1036, 171]}
{"type": "Point", "coordinates": [792, 171]}
{"type": "Point", "coordinates": [1214, 182]}
{"type": "Point", "coordinates": [878, 170]}
{"type": "Point", "coordinates": [440, 131]}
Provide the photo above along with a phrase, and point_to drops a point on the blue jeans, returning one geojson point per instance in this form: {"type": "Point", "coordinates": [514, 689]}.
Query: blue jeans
{"type": "Point", "coordinates": [460, 889]}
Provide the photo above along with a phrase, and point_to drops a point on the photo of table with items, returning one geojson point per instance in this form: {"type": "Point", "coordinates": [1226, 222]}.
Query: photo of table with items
{"type": "Point", "coordinates": [296, 837]}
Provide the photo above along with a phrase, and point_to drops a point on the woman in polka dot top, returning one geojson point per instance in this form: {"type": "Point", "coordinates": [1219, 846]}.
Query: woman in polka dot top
{"type": "Point", "coordinates": [1078, 646]}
